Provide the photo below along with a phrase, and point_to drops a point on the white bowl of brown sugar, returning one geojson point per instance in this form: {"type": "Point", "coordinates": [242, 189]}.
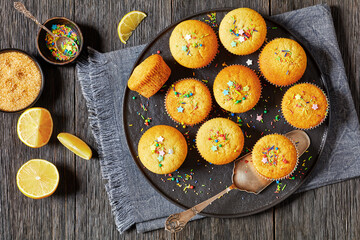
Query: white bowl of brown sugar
{"type": "Point", "coordinates": [21, 80]}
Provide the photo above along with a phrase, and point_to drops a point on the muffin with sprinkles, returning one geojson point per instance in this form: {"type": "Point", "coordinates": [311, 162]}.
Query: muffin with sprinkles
{"type": "Point", "coordinates": [219, 141]}
{"type": "Point", "coordinates": [282, 62]}
{"type": "Point", "coordinates": [274, 157]}
{"type": "Point", "coordinates": [242, 31]}
{"type": "Point", "coordinates": [237, 88]}
{"type": "Point", "coordinates": [304, 106]}
{"type": "Point", "coordinates": [162, 149]}
{"type": "Point", "coordinates": [193, 44]}
{"type": "Point", "coordinates": [149, 76]}
{"type": "Point", "coordinates": [188, 101]}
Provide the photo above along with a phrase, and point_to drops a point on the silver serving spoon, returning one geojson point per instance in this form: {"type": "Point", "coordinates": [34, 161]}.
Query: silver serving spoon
{"type": "Point", "coordinates": [244, 178]}
{"type": "Point", "coordinates": [60, 41]}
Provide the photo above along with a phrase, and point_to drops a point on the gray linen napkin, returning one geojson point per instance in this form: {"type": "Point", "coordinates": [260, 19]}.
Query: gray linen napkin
{"type": "Point", "coordinates": [103, 78]}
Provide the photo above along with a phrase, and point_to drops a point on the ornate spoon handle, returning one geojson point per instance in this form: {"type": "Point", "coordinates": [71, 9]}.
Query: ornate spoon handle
{"type": "Point", "coordinates": [21, 8]}
{"type": "Point", "coordinates": [177, 221]}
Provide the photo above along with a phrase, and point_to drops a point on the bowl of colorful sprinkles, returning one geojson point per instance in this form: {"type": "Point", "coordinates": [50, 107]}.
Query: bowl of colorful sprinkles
{"type": "Point", "coordinates": [46, 46]}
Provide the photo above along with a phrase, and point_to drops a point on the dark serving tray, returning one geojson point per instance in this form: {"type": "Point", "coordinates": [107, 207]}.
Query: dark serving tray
{"type": "Point", "coordinates": [206, 178]}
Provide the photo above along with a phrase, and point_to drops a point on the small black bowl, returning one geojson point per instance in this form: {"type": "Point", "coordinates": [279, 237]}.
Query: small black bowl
{"type": "Point", "coordinates": [41, 43]}
{"type": "Point", "coordinates": [41, 73]}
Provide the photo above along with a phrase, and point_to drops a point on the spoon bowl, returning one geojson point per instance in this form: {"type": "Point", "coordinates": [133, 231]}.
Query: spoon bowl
{"type": "Point", "coordinates": [67, 46]}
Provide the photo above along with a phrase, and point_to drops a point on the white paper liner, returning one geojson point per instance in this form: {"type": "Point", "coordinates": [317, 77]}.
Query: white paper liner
{"type": "Point", "coordinates": [259, 82]}
{"type": "Point", "coordinates": [182, 123]}
{"type": "Point", "coordinates": [277, 85]}
{"type": "Point", "coordinates": [296, 164]}
{"type": "Point", "coordinates": [216, 54]}
{"type": "Point", "coordinates": [196, 142]}
{"type": "Point", "coordinates": [227, 49]}
{"type": "Point", "coordinates": [326, 113]}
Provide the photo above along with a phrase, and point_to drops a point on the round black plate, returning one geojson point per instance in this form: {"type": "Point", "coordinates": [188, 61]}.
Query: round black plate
{"type": "Point", "coordinates": [209, 179]}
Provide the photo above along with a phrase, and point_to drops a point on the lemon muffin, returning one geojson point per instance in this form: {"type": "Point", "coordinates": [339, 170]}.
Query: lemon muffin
{"type": "Point", "coordinates": [237, 88]}
{"type": "Point", "coordinates": [242, 31]}
{"type": "Point", "coordinates": [304, 106]}
{"type": "Point", "coordinates": [149, 76]}
{"type": "Point", "coordinates": [282, 61]}
{"type": "Point", "coordinates": [162, 149]}
{"type": "Point", "coordinates": [274, 156]}
{"type": "Point", "coordinates": [188, 101]}
{"type": "Point", "coordinates": [193, 44]}
{"type": "Point", "coordinates": [219, 141]}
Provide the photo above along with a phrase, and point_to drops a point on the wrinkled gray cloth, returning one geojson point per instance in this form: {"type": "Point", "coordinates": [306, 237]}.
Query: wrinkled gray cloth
{"type": "Point", "coordinates": [103, 78]}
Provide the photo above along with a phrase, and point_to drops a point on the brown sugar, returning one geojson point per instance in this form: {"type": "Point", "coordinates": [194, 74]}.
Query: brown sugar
{"type": "Point", "coordinates": [20, 81]}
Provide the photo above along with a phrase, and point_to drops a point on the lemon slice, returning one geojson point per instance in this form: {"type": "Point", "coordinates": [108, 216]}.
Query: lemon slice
{"type": "Point", "coordinates": [128, 24]}
{"type": "Point", "coordinates": [76, 145]}
{"type": "Point", "coordinates": [37, 178]}
{"type": "Point", "coordinates": [34, 127]}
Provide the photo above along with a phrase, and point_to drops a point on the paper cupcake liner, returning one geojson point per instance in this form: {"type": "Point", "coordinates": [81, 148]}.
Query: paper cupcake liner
{"type": "Point", "coordinates": [161, 72]}
{"type": "Point", "coordinates": [216, 54]}
{"type": "Point", "coordinates": [175, 163]}
{"type": "Point", "coordinates": [261, 73]}
{"type": "Point", "coordinates": [261, 89]}
{"type": "Point", "coordinates": [295, 167]}
{"type": "Point", "coordinates": [182, 123]}
{"type": "Point", "coordinates": [197, 149]}
{"type": "Point", "coordinates": [227, 48]}
{"type": "Point", "coordinates": [158, 70]}
{"type": "Point", "coordinates": [323, 120]}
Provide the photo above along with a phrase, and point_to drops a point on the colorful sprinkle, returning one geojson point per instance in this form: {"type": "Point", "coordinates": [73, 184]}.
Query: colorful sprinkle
{"type": "Point", "coordinates": [249, 62]}
{"type": "Point", "coordinates": [70, 49]}
{"type": "Point", "coordinates": [230, 83]}
{"type": "Point", "coordinates": [284, 56]}
{"type": "Point", "coordinates": [218, 139]}
{"type": "Point", "coordinates": [272, 154]}
{"type": "Point", "coordinates": [236, 92]}
{"type": "Point", "coordinates": [180, 109]}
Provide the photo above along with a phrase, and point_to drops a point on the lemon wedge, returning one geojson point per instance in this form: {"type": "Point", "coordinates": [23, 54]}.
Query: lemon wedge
{"type": "Point", "coordinates": [76, 145]}
{"type": "Point", "coordinates": [128, 24]}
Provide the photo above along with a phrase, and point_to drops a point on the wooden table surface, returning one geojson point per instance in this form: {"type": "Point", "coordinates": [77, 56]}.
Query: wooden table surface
{"type": "Point", "coordinates": [80, 209]}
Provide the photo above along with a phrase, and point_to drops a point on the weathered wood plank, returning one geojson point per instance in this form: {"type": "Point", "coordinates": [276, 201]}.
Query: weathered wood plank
{"type": "Point", "coordinates": [22, 217]}
{"type": "Point", "coordinates": [80, 208]}
{"type": "Point", "coordinates": [330, 212]}
{"type": "Point", "coordinates": [93, 213]}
